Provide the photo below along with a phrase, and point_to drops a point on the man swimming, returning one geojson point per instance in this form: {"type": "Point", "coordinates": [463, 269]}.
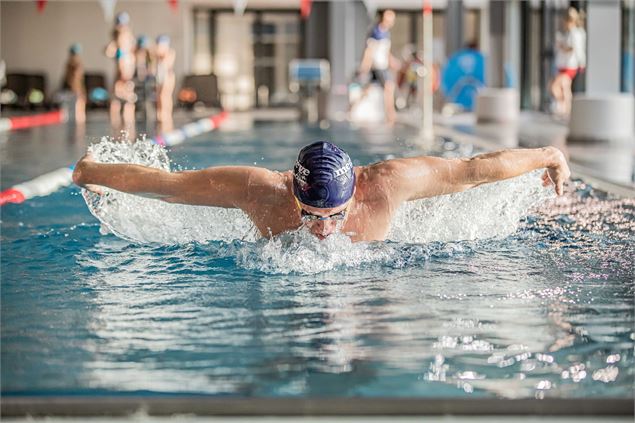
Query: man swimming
{"type": "Point", "coordinates": [324, 191]}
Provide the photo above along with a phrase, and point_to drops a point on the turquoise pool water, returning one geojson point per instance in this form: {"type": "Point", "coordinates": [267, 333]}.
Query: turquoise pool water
{"type": "Point", "coordinates": [465, 299]}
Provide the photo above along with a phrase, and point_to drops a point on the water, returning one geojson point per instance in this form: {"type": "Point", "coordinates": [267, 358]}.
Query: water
{"type": "Point", "coordinates": [466, 298]}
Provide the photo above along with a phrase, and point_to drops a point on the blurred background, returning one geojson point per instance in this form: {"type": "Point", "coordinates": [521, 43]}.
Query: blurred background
{"type": "Point", "coordinates": [247, 45]}
{"type": "Point", "coordinates": [526, 73]}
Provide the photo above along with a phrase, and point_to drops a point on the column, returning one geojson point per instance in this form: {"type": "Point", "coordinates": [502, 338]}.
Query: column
{"type": "Point", "coordinates": [603, 41]}
{"type": "Point", "coordinates": [347, 30]}
{"type": "Point", "coordinates": [453, 27]}
{"type": "Point", "coordinates": [513, 47]}
{"type": "Point", "coordinates": [496, 60]}
{"type": "Point", "coordinates": [315, 33]}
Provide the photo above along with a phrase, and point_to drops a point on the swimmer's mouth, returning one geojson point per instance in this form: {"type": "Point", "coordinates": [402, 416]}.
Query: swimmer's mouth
{"type": "Point", "coordinates": [323, 237]}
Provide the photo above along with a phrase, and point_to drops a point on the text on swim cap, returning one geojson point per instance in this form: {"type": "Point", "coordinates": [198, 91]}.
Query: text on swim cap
{"type": "Point", "coordinates": [344, 169]}
{"type": "Point", "coordinates": [301, 171]}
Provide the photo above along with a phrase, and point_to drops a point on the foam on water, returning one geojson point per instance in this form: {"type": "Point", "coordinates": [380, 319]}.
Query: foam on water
{"type": "Point", "coordinates": [434, 225]}
{"type": "Point", "coordinates": [299, 252]}
{"type": "Point", "coordinates": [488, 211]}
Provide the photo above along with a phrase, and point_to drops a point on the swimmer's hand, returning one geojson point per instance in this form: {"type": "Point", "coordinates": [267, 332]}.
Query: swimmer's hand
{"type": "Point", "coordinates": [557, 173]}
{"type": "Point", "coordinates": [79, 174]}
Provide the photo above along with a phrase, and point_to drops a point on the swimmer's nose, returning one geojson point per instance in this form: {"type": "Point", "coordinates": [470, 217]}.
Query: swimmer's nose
{"type": "Point", "coordinates": [324, 227]}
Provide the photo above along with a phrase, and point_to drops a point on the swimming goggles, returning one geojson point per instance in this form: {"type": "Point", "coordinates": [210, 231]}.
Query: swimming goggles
{"type": "Point", "coordinates": [310, 217]}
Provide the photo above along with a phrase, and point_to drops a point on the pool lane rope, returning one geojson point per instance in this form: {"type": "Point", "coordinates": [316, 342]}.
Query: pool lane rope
{"type": "Point", "coordinates": [23, 122]}
{"type": "Point", "coordinates": [52, 181]}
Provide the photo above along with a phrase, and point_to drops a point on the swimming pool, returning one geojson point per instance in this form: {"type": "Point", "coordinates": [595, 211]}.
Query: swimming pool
{"type": "Point", "coordinates": [459, 302]}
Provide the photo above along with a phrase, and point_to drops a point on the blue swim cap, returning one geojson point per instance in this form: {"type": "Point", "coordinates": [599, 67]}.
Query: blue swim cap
{"type": "Point", "coordinates": [163, 39]}
{"type": "Point", "coordinates": [323, 176]}
{"type": "Point", "coordinates": [122, 18]}
{"type": "Point", "coordinates": [378, 34]}
{"type": "Point", "coordinates": [75, 48]}
{"type": "Point", "coordinates": [143, 41]}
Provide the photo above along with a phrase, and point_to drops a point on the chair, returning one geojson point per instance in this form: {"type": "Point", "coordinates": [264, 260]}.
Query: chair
{"type": "Point", "coordinates": [18, 83]}
{"type": "Point", "coordinates": [96, 90]}
{"type": "Point", "coordinates": [205, 87]}
{"type": "Point", "coordinates": [36, 95]}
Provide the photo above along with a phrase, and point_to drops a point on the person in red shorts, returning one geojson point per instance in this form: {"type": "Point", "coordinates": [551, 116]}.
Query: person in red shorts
{"type": "Point", "coordinates": [569, 50]}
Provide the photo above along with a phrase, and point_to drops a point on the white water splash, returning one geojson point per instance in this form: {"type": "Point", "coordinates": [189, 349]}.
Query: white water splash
{"type": "Point", "coordinates": [301, 252]}
{"type": "Point", "coordinates": [143, 219]}
{"type": "Point", "coordinates": [492, 210]}
{"type": "Point", "coordinates": [488, 211]}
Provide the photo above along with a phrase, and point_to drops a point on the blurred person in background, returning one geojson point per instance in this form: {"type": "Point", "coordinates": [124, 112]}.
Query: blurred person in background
{"type": "Point", "coordinates": [143, 58]}
{"type": "Point", "coordinates": [165, 81]}
{"type": "Point", "coordinates": [380, 63]}
{"type": "Point", "coordinates": [74, 81]}
{"type": "Point", "coordinates": [570, 57]}
{"type": "Point", "coordinates": [407, 76]}
{"type": "Point", "coordinates": [144, 68]}
{"type": "Point", "coordinates": [121, 49]}
{"type": "Point", "coordinates": [580, 45]}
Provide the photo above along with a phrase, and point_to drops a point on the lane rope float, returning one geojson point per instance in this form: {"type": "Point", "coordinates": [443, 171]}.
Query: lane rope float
{"type": "Point", "coordinates": [52, 181]}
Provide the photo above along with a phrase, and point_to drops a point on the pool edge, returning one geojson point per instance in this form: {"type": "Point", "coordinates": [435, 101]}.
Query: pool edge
{"type": "Point", "coordinates": [323, 406]}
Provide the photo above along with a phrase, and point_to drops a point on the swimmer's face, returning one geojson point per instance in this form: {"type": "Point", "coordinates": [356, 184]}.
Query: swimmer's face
{"type": "Point", "coordinates": [162, 48]}
{"type": "Point", "coordinates": [323, 222]}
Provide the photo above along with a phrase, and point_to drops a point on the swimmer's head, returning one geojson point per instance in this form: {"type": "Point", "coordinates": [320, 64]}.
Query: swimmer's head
{"type": "Point", "coordinates": [75, 48]}
{"type": "Point", "coordinates": [122, 18]}
{"type": "Point", "coordinates": [387, 18]}
{"type": "Point", "coordinates": [143, 41]}
{"type": "Point", "coordinates": [572, 17]}
{"type": "Point", "coordinates": [323, 176]}
{"type": "Point", "coordinates": [163, 39]}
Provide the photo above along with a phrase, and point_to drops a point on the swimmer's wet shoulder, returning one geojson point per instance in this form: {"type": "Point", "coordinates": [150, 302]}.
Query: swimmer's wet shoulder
{"type": "Point", "coordinates": [324, 192]}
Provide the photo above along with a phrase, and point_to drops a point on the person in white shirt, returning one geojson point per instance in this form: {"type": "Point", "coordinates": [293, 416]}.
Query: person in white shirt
{"type": "Point", "coordinates": [379, 62]}
{"type": "Point", "coordinates": [570, 57]}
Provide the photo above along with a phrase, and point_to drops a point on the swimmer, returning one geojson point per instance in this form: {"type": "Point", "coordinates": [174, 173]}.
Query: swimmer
{"type": "Point", "coordinates": [165, 81]}
{"type": "Point", "coordinates": [74, 81]}
{"type": "Point", "coordinates": [324, 192]}
{"type": "Point", "coordinates": [123, 97]}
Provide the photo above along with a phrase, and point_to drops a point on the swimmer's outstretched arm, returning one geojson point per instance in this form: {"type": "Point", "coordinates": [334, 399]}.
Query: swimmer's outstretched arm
{"type": "Point", "coordinates": [223, 186]}
{"type": "Point", "coordinates": [421, 177]}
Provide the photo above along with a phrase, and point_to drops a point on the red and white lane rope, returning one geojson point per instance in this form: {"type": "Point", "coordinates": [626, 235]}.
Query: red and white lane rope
{"type": "Point", "coordinates": [190, 130]}
{"type": "Point", "coordinates": [42, 185]}
{"type": "Point", "coordinates": [50, 182]}
{"type": "Point", "coordinates": [22, 122]}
